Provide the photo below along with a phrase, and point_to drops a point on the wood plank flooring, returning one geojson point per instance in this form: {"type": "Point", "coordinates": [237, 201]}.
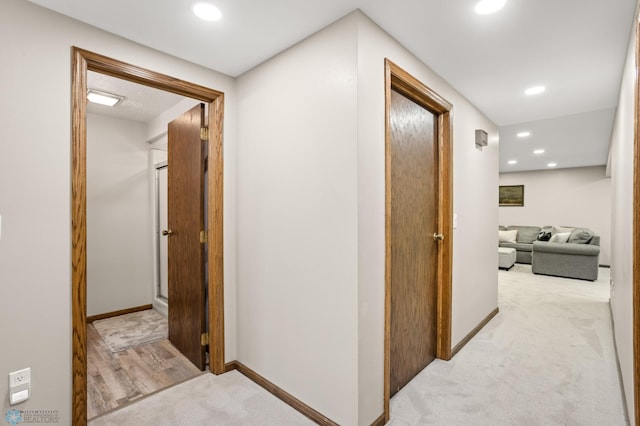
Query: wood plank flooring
{"type": "Point", "coordinates": [115, 379]}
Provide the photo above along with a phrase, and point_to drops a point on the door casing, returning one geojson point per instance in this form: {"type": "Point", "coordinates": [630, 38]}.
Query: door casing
{"type": "Point", "coordinates": [83, 61]}
{"type": "Point", "coordinates": [402, 82]}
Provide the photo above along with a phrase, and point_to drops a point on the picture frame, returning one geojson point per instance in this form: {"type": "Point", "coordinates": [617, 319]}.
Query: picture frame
{"type": "Point", "coordinates": [511, 196]}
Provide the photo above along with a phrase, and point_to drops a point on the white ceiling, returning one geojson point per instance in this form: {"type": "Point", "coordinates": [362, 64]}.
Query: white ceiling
{"type": "Point", "coordinates": [576, 48]}
{"type": "Point", "coordinates": [141, 103]}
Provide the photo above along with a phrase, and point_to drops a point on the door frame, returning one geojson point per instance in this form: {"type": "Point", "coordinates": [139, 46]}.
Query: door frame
{"type": "Point", "coordinates": [402, 82]}
{"type": "Point", "coordinates": [83, 61]}
{"type": "Point", "coordinates": [636, 225]}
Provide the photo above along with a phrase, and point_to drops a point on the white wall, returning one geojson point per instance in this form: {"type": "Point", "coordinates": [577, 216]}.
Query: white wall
{"type": "Point", "coordinates": [119, 215]}
{"type": "Point", "coordinates": [579, 197]}
{"type": "Point", "coordinates": [475, 176]}
{"type": "Point", "coordinates": [622, 170]}
{"type": "Point", "coordinates": [297, 221]}
{"type": "Point", "coordinates": [311, 217]}
{"type": "Point", "coordinates": [35, 191]}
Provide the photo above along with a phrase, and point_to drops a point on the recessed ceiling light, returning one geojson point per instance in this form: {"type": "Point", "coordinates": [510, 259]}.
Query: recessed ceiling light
{"type": "Point", "coordinates": [539, 151]}
{"type": "Point", "coordinates": [207, 12]}
{"type": "Point", "coordinates": [513, 162]}
{"type": "Point", "coordinates": [523, 134]}
{"type": "Point", "coordinates": [535, 90]}
{"type": "Point", "coordinates": [486, 7]}
{"type": "Point", "coordinates": [103, 98]}
{"type": "Point", "coordinates": [552, 164]}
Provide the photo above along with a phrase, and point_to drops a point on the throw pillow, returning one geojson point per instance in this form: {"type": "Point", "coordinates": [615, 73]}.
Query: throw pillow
{"type": "Point", "coordinates": [507, 236]}
{"type": "Point", "coordinates": [562, 237]}
{"type": "Point", "coordinates": [560, 230]}
{"type": "Point", "coordinates": [544, 236]}
{"type": "Point", "coordinates": [581, 236]}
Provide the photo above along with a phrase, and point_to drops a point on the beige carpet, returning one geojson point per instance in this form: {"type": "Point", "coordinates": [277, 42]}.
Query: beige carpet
{"type": "Point", "coordinates": [131, 330]}
{"type": "Point", "coordinates": [546, 359]}
{"type": "Point", "coordinates": [229, 399]}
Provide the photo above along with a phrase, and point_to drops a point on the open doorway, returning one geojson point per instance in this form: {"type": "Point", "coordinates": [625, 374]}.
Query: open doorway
{"type": "Point", "coordinates": [83, 62]}
{"type": "Point", "coordinates": [134, 347]}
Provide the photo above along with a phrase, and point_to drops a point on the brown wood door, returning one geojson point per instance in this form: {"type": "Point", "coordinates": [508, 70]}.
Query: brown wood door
{"type": "Point", "coordinates": [414, 220]}
{"type": "Point", "coordinates": [186, 220]}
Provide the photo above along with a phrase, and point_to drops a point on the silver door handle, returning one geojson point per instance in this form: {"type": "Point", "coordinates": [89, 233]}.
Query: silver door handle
{"type": "Point", "coordinates": [438, 237]}
{"type": "Point", "coordinates": [166, 232]}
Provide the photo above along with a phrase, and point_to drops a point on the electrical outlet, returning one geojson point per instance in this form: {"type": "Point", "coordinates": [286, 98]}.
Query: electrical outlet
{"type": "Point", "coordinates": [19, 386]}
{"type": "Point", "coordinates": [20, 377]}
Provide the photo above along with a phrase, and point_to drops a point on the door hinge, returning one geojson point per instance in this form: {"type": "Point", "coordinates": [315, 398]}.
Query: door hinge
{"type": "Point", "coordinates": [204, 237]}
{"type": "Point", "coordinates": [204, 133]}
{"type": "Point", "coordinates": [204, 339]}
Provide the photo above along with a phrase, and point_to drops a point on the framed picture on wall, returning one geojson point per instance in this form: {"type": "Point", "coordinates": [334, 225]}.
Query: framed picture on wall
{"type": "Point", "coordinates": [511, 195]}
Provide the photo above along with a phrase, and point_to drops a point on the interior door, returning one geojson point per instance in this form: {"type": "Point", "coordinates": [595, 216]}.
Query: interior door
{"type": "Point", "coordinates": [414, 220]}
{"type": "Point", "coordinates": [185, 220]}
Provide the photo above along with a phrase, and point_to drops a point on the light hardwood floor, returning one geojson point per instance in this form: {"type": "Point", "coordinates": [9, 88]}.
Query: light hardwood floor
{"type": "Point", "coordinates": [115, 379]}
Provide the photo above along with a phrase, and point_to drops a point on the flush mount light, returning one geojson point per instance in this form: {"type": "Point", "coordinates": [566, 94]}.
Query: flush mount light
{"type": "Point", "coordinates": [513, 162]}
{"type": "Point", "coordinates": [207, 12]}
{"type": "Point", "coordinates": [103, 98]}
{"type": "Point", "coordinates": [538, 151]}
{"type": "Point", "coordinates": [486, 7]}
{"type": "Point", "coordinates": [535, 90]}
{"type": "Point", "coordinates": [523, 134]}
{"type": "Point", "coordinates": [552, 164]}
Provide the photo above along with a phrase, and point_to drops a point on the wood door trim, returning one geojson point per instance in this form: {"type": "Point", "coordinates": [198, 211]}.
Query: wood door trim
{"type": "Point", "coordinates": [404, 83]}
{"type": "Point", "coordinates": [83, 61]}
{"type": "Point", "coordinates": [636, 228]}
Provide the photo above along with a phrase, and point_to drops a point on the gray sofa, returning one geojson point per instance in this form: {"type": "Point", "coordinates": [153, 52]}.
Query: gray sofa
{"type": "Point", "coordinates": [578, 258]}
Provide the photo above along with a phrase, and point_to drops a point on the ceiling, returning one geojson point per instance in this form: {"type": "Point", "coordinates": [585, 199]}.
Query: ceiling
{"type": "Point", "coordinates": [140, 103]}
{"type": "Point", "coordinates": [576, 48]}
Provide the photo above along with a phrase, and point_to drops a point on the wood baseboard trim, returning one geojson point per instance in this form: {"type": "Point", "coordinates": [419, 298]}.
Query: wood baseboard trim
{"type": "Point", "coordinates": [279, 393]}
{"type": "Point", "coordinates": [230, 366]}
{"type": "Point", "coordinates": [473, 332]}
{"type": "Point", "coordinates": [379, 421]}
{"type": "Point", "coordinates": [93, 318]}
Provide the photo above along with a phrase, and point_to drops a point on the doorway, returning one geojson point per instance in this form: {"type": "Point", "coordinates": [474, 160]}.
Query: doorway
{"type": "Point", "coordinates": [418, 260]}
{"type": "Point", "coordinates": [84, 61]}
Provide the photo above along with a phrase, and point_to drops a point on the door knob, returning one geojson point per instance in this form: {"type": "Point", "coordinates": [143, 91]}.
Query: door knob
{"type": "Point", "coordinates": [438, 237]}
{"type": "Point", "coordinates": [167, 232]}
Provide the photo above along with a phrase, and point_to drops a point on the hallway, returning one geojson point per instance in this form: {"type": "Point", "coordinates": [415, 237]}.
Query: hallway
{"type": "Point", "coordinates": [546, 359]}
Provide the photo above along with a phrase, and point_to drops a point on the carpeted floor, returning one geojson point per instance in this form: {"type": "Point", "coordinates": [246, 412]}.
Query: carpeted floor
{"type": "Point", "coordinates": [226, 400]}
{"type": "Point", "coordinates": [546, 359]}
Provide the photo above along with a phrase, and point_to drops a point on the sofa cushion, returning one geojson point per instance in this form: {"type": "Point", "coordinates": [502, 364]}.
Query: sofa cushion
{"type": "Point", "coordinates": [567, 249]}
{"type": "Point", "coordinates": [561, 237]}
{"type": "Point", "coordinates": [560, 230]}
{"type": "Point", "coordinates": [518, 246]}
{"type": "Point", "coordinates": [581, 236]}
{"type": "Point", "coordinates": [501, 228]}
{"type": "Point", "coordinates": [526, 234]}
{"type": "Point", "coordinates": [507, 236]}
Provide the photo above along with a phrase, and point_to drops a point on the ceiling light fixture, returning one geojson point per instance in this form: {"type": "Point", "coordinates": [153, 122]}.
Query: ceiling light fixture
{"type": "Point", "coordinates": [535, 90]}
{"type": "Point", "coordinates": [552, 164]}
{"type": "Point", "coordinates": [513, 162]}
{"type": "Point", "coordinates": [486, 7]}
{"type": "Point", "coordinates": [103, 98]}
{"type": "Point", "coordinates": [207, 12]}
{"type": "Point", "coordinates": [524, 134]}
{"type": "Point", "coordinates": [538, 151]}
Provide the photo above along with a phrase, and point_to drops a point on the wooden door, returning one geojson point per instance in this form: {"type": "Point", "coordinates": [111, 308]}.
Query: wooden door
{"type": "Point", "coordinates": [414, 252]}
{"type": "Point", "coordinates": [186, 219]}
